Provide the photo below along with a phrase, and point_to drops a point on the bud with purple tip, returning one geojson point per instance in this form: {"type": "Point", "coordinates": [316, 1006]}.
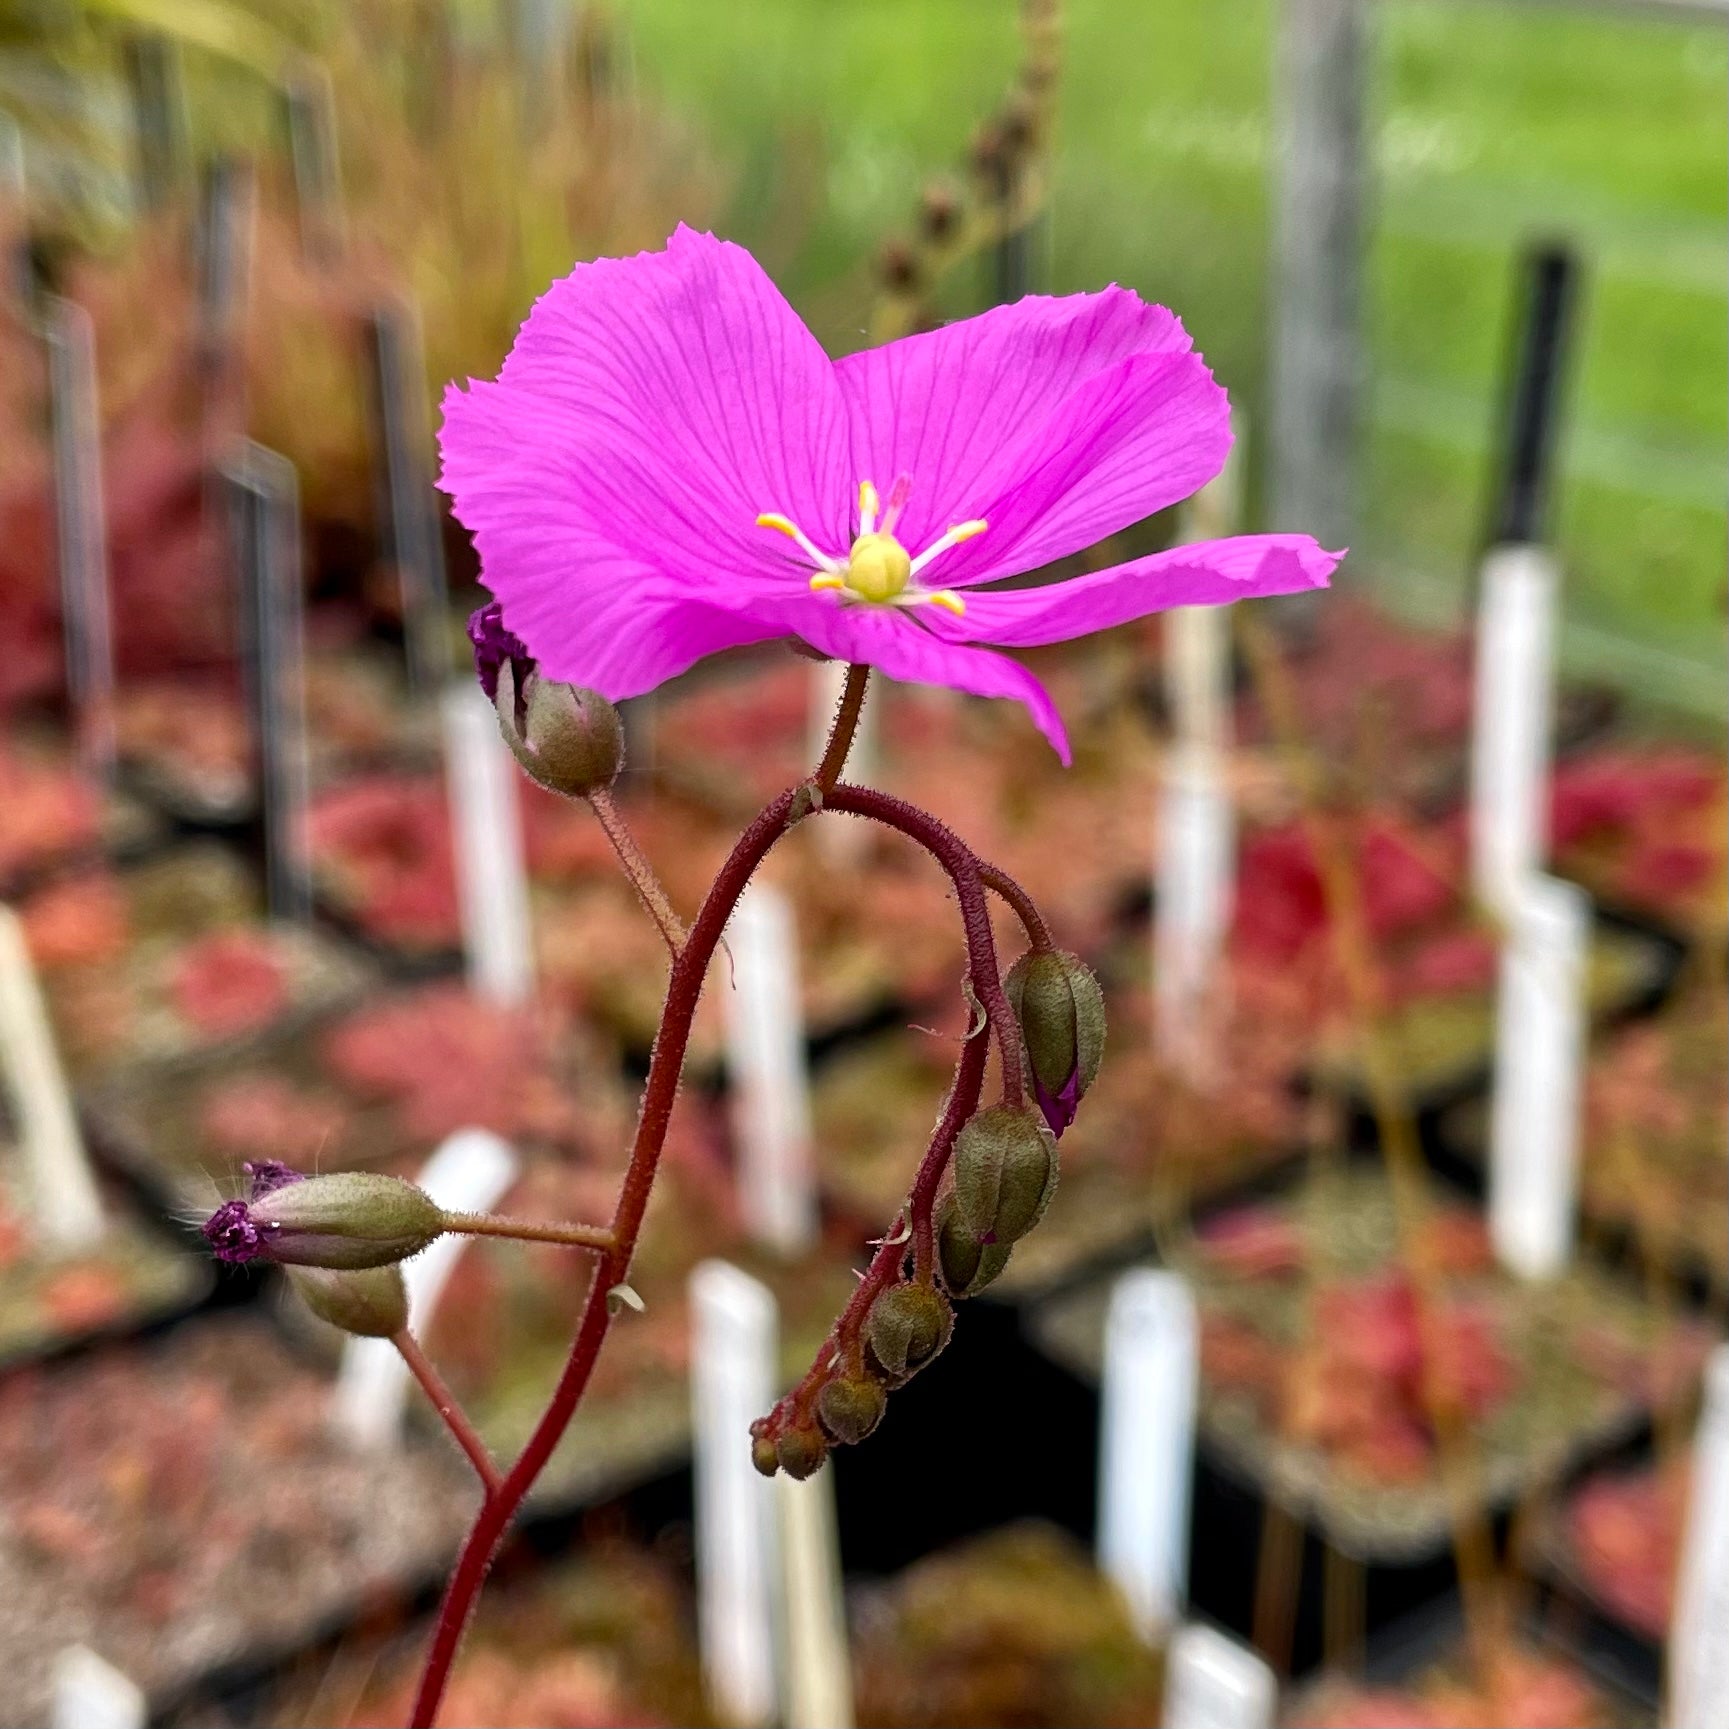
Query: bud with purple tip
{"type": "Point", "coordinates": [348, 1220]}
{"type": "Point", "coordinates": [1061, 1009]}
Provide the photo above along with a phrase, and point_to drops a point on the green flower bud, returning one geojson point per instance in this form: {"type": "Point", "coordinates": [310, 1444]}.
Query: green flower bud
{"type": "Point", "coordinates": [348, 1220]}
{"type": "Point", "coordinates": [850, 1408]}
{"type": "Point", "coordinates": [1061, 1009]}
{"type": "Point", "coordinates": [907, 1326]}
{"type": "Point", "coordinates": [570, 739]}
{"type": "Point", "coordinates": [763, 1455]}
{"type": "Point", "coordinates": [800, 1453]}
{"type": "Point", "coordinates": [966, 1264]}
{"type": "Point", "coordinates": [371, 1302]}
{"type": "Point", "coordinates": [1005, 1167]}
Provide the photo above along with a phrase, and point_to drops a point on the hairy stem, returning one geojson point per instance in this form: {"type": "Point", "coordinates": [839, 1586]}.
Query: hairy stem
{"type": "Point", "coordinates": [1000, 883]}
{"type": "Point", "coordinates": [958, 859]}
{"type": "Point", "coordinates": [684, 987]}
{"type": "Point", "coordinates": [886, 1263]}
{"type": "Point", "coordinates": [636, 866]}
{"type": "Point", "coordinates": [845, 727]}
{"type": "Point", "coordinates": [529, 1230]}
{"type": "Point", "coordinates": [420, 1366]}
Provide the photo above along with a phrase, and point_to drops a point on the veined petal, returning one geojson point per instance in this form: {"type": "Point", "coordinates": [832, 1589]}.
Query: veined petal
{"type": "Point", "coordinates": [1208, 573]}
{"type": "Point", "coordinates": [653, 407]}
{"type": "Point", "coordinates": [888, 639]}
{"type": "Point", "coordinates": [1057, 421]}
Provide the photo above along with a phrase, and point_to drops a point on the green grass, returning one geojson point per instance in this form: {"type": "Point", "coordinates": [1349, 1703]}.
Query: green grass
{"type": "Point", "coordinates": [1493, 123]}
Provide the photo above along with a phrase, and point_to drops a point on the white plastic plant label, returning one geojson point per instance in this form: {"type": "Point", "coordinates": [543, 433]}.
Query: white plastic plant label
{"type": "Point", "coordinates": [734, 1346]}
{"type": "Point", "coordinates": [1193, 891]}
{"type": "Point", "coordinates": [1699, 1638]}
{"type": "Point", "coordinates": [471, 1172]}
{"type": "Point", "coordinates": [817, 1680]}
{"type": "Point", "coordinates": [1147, 1444]}
{"type": "Point", "coordinates": [81, 529]}
{"type": "Point", "coordinates": [1212, 1682]}
{"type": "Point", "coordinates": [1539, 1049]}
{"type": "Point", "coordinates": [767, 1072]}
{"type": "Point", "coordinates": [481, 780]}
{"type": "Point", "coordinates": [1514, 713]}
{"type": "Point", "coordinates": [63, 1198]}
{"type": "Point", "coordinates": [90, 1693]}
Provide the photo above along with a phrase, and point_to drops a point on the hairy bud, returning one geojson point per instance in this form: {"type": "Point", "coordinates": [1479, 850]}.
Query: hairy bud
{"type": "Point", "coordinates": [907, 1326]}
{"type": "Point", "coordinates": [1061, 1009]}
{"type": "Point", "coordinates": [966, 1264]}
{"type": "Point", "coordinates": [851, 1407]}
{"type": "Point", "coordinates": [763, 1455]}
{"type": "Point", "coordinates": [346, 1221]}
{"type": "Point", "coordinates": [569, 739]}
{"type": "Point", "coordinates": [1005, 1167]}
{"type": "Point", "coordinates": [800, 1453]}
{"type": "Point", "coordinates": [371, 1303]}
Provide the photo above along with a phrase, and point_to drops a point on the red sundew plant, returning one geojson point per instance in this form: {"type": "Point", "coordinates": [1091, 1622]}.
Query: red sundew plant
{"type": "Point", "coordinates": [668, 466]}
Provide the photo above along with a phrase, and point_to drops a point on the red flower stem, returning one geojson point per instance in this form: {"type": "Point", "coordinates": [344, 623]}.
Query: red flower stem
{"type": "Point", "coordinates": [962, 864]}
{"type": "Point", "coordinates": [444, 1402]}
{"type": "Point", "coordinates": [660, 1091]}
{"type": "Point", "coordinates": [846, 721]}
{"type": "Point", "coordinates": [886, 1264]}
{"type": "Point", "coordinates": [999, 882]}
{"type": "Point", "coordinates": [529, 1230]}
{"type": "Point", "coordinates": [636, 866]}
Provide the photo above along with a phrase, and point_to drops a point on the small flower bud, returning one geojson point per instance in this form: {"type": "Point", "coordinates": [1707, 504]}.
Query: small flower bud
{"type": "Point", "coordinates": [1061, 1009]}
{"type": "Point", "coordinates": [763, 1455]}
{"type": "Point", "coordinates": [371, 1302]}
{"type": "Point", "coordinates": [907, 1326]}
{"type": "Point", "coordinates": [348, 1220]}
{"type": "Point", "coordinates": [966, 1264]}
{"type": "Point", "coordinates": [851, 1407]}
{"type": "Point", "coordinates": [567, 738]}
{"type": "Point", "coordinates": [1005, 1169]}
{"type": "Point", "coordinates": [800, 1452]}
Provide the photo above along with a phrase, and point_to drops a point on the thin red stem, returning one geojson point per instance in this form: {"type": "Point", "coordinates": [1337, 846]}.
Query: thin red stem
{"type": "Point", "coordinates": [636, 866]}
{"type": "Point", "coordinates": [444, 1402]}
{"type": "Point", "coordinates": [886, 1264]}
{"type": "Point", "coordinates": [958, 859]}
{"type": "Point", "coordinates": [845, 726]}
{"type": "Point", "coordinates": [684, 987]}
{"type": "Point", "coordinates": [999, 882]}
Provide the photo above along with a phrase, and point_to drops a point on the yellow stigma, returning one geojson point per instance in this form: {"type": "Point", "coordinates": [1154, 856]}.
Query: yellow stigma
{"type": "Point", "coordinates": [878, 567]}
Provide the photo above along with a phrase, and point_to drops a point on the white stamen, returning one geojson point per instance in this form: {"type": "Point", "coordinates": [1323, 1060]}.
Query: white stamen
{"type": "Point", "coordinates": [867, 507]}
{"type": "Point", "coordinates": [961, 531]}
{"type": "Point", "coordinates": [785, 525]}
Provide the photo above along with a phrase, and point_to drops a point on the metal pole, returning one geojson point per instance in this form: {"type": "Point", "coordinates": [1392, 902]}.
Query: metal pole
{"type": "Point", "coordinates": [1318, 361]}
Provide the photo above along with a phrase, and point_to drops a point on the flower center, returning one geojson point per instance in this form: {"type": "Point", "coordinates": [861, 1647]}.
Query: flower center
{"type": "Point", "coordinates": [877, 570]}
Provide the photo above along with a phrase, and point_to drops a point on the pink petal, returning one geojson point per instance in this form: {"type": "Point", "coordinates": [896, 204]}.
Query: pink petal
{"type": "Point", "coordinates": [1058, 421]}
{"type": "Point", "coordinates": [651, 409]}
{"type": "Point", "coordinates": [1209, 573]}
{"type": "Point", "coordinates": [890, 640]}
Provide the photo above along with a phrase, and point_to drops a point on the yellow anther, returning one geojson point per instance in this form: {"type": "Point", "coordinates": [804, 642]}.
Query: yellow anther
{"type": "Point", "coordinates": [867, 500]}
{"type": "Point", "coordinates": [782, 524]}
{"type": "Point", "coordinates": [827, 579]}
{"type": "Point", "coordinates": [948, 600]}
{"type": "Point", "coordinates": [965, 531]}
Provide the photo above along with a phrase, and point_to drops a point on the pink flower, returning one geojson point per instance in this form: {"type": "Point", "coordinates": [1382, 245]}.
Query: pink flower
{"type": "Point", "coordinates": [669, 465]}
